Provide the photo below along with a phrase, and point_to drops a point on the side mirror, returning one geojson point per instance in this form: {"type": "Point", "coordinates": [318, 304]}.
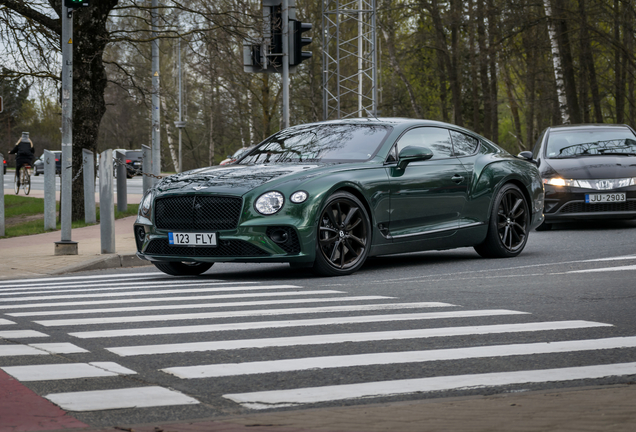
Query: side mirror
{"type": "Point", "coordinates": [413, 154]}
{"type": "Point", "coordinates": [527, 155]}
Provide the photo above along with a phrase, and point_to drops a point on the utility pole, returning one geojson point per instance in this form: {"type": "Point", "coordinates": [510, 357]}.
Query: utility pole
{"type": "Point", "coordinates": [156, 131]}
{"type": "Point", "coordinates": [180, 124]}
{"type": "Point", "coordinates": [66, 246]}
{"type": "Point", "coordinates": [285, 60]}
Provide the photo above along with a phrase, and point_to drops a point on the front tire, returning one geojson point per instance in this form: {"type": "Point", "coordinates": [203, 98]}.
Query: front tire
{"type": "Point", "coordinates": [178, 268]}
{"type": "Point", "coordinates": [508, 225]}
{"type": "Point", "coordinates": [343, 236]}
{"type": "Point", "coordinates": [26, 185]}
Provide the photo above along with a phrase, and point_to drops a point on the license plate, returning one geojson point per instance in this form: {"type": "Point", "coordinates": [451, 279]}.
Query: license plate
{"type": "Point", "coordinates": [192, 239]}
{"type": "Point", "coordinates": [604, 198]}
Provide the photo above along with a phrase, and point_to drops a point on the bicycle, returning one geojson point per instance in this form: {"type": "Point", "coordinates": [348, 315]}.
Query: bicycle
{"type": "Point", "coordinates": [25, 180]}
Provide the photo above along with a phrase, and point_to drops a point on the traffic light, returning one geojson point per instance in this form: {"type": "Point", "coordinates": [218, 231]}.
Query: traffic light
{"type": "Point", "coordinates": [297, 42]}
{"type": "Point", "coordinates": [75, 4]}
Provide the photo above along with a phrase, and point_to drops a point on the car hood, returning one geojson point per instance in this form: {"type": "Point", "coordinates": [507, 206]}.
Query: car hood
{"type": "Point", "coordinates": [591, 167]}
{"type": "Point", "coordinates": [232, 179]}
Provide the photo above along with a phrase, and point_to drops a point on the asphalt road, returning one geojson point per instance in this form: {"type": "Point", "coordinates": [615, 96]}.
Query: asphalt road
{"type": "Point", "coordinates": [133, 185]}
{"type": "Point", "coordinates": [559, 315]}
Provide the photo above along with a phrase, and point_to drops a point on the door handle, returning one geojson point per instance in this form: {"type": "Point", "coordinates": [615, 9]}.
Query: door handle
{"type": "Point", "coordinates": [457, 178]}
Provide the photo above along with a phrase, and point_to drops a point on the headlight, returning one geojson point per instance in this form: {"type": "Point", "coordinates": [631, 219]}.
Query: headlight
{"type": "Point", "coordinates": [144, 207]}
{"type": "Point", "coordinates": [269, 203]}
{"type": "Point", "coordinates": [298, 197]}
{"type": "Point", "coordinates": [556, 181]}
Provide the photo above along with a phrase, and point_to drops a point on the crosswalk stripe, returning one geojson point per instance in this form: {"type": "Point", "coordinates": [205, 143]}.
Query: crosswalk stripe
{"type": "Point", "coordinates": [5, 322]}
{"type": "Point", "coordinates": [40, 349]}
{"type": "Point", "coordinates": [205, 306]}
{"type": "Point", "coordinates": [348, 337]}
{"type": "Point", "coordinates": [328, 362]}
{"type": "Point", "coordinates": [631, 267]}
{"type": "Point", "coordinates": [151, 292]}
{"type": "Point", "coordinates": [111, 286]}
{"type": "Point", "coordinates": [48, 280]}
{"type": "Point", "coordinates": [290, 323]}
{"type": "Point", "coordinates": [291, 397]}
{"type": "Point", "coordinates": [167, 299]}
{"type": "Point", "coordinates": [138, 397]}
{"type": "Point", "coordinates": [51, 372]}
{"type": "Point", "coordinates": [19, 334]}
{"type": "Point", "coordinates": [234, 314]}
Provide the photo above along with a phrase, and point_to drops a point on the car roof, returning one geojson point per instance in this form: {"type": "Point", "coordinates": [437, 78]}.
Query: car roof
{"type": "Point", "coordinates": [589, 126]}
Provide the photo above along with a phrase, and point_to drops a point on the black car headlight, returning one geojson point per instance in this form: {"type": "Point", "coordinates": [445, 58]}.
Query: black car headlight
{"type": "Point", "coordinates": [269, 203]}
{"type": "Point", "coordinates": [146, 203]}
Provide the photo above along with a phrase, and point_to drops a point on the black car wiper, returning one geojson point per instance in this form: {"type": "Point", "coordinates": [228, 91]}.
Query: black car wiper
{"type": "Point", "coordinates": [605, 152]}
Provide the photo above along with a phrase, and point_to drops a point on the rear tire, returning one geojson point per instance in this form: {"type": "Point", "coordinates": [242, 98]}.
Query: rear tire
{"type": "Point", "coordinates": [508, 225]}
{"type": "Point", "coordinates": [26, 185]}
{"type": "Point", "coordinates": [178, 268]}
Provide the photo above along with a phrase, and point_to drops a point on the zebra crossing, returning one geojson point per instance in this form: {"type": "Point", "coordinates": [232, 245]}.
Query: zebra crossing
{"type": "Point", "coordinates": [209, 316]}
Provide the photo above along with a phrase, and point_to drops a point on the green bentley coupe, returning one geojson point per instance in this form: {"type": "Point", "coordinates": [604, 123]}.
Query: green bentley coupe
{"type": "Point", "coordinates": [328, 195]}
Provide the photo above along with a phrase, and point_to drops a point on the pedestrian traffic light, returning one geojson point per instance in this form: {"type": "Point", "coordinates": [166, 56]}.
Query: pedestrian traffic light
{"type": "Point", "coordinates": [75, 3]}
{"type": "Point", "coordinates": [297, 42]}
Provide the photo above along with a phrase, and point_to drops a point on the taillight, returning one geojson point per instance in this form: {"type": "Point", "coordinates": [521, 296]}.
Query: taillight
{"type": "Point", "coordinates": [57, 160]}
{"type": "Point", "coordinates": [128, 161]}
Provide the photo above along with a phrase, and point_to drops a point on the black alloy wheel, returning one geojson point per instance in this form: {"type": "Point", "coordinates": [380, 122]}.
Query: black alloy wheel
{"type": "Point", "coordinates": [508, 225]}
{"type": "Point", "coordinates": [178, 268]}
{"type": "Point", "coordinates": [343, 236]}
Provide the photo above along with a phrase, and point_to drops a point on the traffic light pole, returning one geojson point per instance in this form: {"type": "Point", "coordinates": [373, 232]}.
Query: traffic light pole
{"type": "Point", "coordinates": [285, 24]}
{"type": "Point", "coordinates": [66, 246]}
{"type": "Point", "coordinates": [156, 131]}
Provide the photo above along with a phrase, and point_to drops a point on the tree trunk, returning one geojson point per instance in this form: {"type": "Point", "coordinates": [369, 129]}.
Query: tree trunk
{"type": "Point", "coordinates": [492, 54]}
{"type": "Point", "coordinates": [474, 58]}
{"type": "Point", "coordinates": [90, 37]}
{"type": "Point", "coordinates": [557, 62]}
{"type": "Point", "coordinates": [588, 59]}
{"type": "Point", "coordinates": [619, 88]}
{"type": "Point", "coordinates": [166, 123]}
{"type": "Point", "coordinates": [483, 68]}
{"type": "Point", "coordinates": [514, 109]}
{"type": "Point", "coordinates": [529, 38]}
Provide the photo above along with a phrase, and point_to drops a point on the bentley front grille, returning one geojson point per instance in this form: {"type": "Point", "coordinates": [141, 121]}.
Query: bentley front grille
{"type": "Point", "coordinates": [197, 213]}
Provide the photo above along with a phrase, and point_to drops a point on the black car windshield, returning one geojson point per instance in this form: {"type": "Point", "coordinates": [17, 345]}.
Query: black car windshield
{"type": "Point", "coordinates": [328, 143]}
{"type": "Point", "coordinates": [591, 142]}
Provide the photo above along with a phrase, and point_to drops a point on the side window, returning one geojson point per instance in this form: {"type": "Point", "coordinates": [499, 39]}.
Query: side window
{"type": "Point", "coordinates": [438, 140]}
{"type": "Point", "coordinates": [464, 145]}
{"type": "Point", "coordinates": [537, 146]}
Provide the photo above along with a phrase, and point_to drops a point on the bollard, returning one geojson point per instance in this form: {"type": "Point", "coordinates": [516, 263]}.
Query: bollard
{"type": "Point", "coordinates": [107, 209]}
{"type": "Point", "coordinates": [122, 173]}
{"type": "Point", "coordinates": [88, 170]}
{"type": "Point", "coordinates": [1, 197]}
{"type": "Point", "coordinates": [146, 161]}
{"type": "Point", "coordinates": [49, 190]}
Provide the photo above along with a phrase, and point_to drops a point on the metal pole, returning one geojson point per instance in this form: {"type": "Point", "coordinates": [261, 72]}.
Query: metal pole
{"type": "Point", "coordinates": [360, 57]}
{"type": "Point", "coordinates": [180, 109]}
{"type": "Point", "coordinates": [106, 207]}
{"type": "Point", "coordinates": [156, 131]}
{"type": "Point", "coordinates": [122, 193]}
{"type": "Point", "coordinates": [88, 170]}
{"type": "Point", "coordinates": [66, 246]}
{"type": "Point", "coordinates": [49, 190]}
{"type": "Point", "coordinates": [1, 197]}
{"type": "Point", "coordinates": [146, 154]}
{"type": "Point", "coordinates": [285, 19]}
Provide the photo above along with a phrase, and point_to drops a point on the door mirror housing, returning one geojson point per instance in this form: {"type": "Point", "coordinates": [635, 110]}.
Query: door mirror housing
{"type": "Point", "coordinates": [527, 155]}
{"type": "Point", "coordinates": [413, 154]}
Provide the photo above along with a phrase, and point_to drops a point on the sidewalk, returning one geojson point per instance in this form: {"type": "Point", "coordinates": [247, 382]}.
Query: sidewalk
{"type": "Point", "coordinates": [33, 256]}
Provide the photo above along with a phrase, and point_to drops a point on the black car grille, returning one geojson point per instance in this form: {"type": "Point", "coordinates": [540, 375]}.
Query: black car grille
{"type": "Point", "coordinates": [581, 207]}
{"type": "Point", "coordinates": [226, 248]}
{"type": "Point", "coordinates": [193, 212]}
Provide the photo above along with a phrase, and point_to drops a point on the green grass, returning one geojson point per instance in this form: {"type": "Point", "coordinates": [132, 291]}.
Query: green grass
{"type": "Point", "coordinates": [18, 206]}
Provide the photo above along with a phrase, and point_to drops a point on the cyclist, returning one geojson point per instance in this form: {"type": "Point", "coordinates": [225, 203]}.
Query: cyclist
{"type": "Point", "coordinates": [24, 154]}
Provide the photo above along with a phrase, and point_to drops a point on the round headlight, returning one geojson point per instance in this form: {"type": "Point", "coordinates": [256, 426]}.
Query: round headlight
{"type": "Point", "coordinates": [144, 207]}
{"type": "Point", "coordinates": [269, 203]}
{"type": "Point", "coordinates": [298, 197]}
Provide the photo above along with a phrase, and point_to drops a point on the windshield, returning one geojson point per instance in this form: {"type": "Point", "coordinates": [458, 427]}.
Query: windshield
{"type": "Point", "coordinates": [327, 143]}
{"type": "Point", "coordinates": [591, 142]}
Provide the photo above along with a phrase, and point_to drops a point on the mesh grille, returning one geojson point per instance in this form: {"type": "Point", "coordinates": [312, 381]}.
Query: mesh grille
{"type": "Point", "coordinates": [197, 213]}
{"type": "Point", "coordinates": [581, 207]}
{"type": "Point", "coordinates": [292, 244]}
{"type": "Point", "coordinates": [226, 248]}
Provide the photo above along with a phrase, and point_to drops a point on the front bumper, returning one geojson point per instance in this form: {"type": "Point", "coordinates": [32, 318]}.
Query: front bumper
{"type": "Point", "coordinates": [563, 204]}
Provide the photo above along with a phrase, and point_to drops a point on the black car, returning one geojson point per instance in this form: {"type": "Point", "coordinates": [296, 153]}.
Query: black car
{"type": "Point", "coordinates": [588, 171]}
{"type": "Point", "coordinates": [133, 162]}
{"type": "Point", "coordinates": [38, 165]}
{"type": "Point", "coordinates": [4, 165]}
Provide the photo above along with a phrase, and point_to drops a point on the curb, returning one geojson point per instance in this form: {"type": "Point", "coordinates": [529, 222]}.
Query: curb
{"type": "Point", "coordinates": [110, 261]}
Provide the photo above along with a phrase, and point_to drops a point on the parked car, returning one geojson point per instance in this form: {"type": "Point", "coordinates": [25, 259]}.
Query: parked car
{"type": "Point", "coordinates": [38, 165]}
{"type": "Point", "coordinates": [4, 165]}
{"type": "Point", "coordinates": [237, 154]}
{"type": "Point", "coordinates": [133, 162]}
{"type": "Point", "coordinates": [589, 172]}
{"type": "Point", "coordinates": [328, 195]}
